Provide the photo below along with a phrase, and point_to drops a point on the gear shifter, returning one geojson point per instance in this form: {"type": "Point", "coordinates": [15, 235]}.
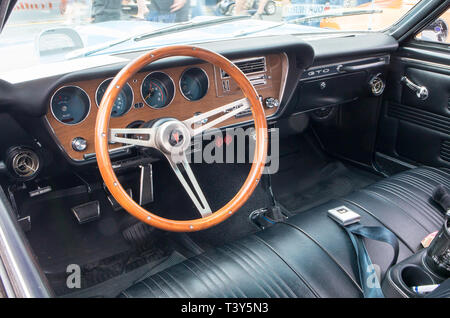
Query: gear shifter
{"type": "Point", "coordinates": [441, 196]}
{"type": "Point", "coordinates": [438, 254]}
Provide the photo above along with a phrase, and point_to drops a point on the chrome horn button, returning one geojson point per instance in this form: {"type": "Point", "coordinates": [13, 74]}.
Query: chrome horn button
{"type": "Point", "coordinates": [172, 137]}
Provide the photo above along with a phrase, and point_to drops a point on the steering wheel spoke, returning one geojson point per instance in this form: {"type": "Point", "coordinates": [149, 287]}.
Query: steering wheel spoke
{"type": "Point", "coordinates": [192, 187]}
{"type": "Point", "coordinates": [142, 136]}
{"type": "Point", "coordinates": [227, 111]}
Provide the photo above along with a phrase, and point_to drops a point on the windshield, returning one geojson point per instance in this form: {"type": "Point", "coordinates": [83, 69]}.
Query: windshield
{"type": "Point", "coordinates": [42, 31]}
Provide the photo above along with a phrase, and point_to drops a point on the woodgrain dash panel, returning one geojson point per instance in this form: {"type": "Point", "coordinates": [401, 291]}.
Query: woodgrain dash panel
{"type": "Point", "coordinates": [179, 108]}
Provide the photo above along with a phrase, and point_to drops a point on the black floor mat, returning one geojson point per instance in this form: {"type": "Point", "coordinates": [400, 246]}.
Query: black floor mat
{"type": "Point", "coordinates": [308, 178]}
{"type": "Point", "coordinates": [97, 247]}
{"type": "Point", "coordinates": [58, 240]}
{"type": "Point", "coordinates": [112, 287]}
{"type": "Point", "coordinates": [333, 181]}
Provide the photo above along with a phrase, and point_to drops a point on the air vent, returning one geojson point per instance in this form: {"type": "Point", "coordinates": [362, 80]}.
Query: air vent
{"type": "Point", "coordinates": [249, 66]}
{"type": "Point", "coordinates": [445, 150]}
{"type": "Point", "coordinates": [24, 162]}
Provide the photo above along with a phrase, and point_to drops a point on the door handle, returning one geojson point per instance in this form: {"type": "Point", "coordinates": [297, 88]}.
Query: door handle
{"type": "Point", "coordinates": [421, 91]}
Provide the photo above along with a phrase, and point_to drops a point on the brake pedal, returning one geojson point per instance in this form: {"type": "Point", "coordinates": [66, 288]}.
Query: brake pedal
{"type": "Point", "coordinates": [87, 212]}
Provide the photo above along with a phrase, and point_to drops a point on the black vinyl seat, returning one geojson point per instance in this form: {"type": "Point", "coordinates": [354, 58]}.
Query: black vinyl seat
{"type": "Point", "coordinates": [309, 255]}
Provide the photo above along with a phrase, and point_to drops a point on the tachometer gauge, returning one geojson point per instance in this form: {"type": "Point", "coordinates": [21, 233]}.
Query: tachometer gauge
{"type": "Point", "coordinates": [194, 83]}
{"type": "Point", "coordinates": [123, 102]}
{"type": "Point", "coordinates": [70, 105]}
{"type": "Point", "coordinates": [157, 90]}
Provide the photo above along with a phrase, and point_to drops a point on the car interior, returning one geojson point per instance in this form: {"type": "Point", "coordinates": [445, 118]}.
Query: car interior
{"type": "Point", "coordinates": [359, 121]}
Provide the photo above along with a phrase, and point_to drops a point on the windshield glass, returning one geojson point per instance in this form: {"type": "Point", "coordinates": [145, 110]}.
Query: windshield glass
{"type": "Point", "coordinates": [42, 31]}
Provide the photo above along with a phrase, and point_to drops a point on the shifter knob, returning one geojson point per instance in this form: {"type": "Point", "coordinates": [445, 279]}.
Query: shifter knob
{"type": "Point", "coordinates": [438, 254]}
{"type": "Point", "coordinates": [442, 196]}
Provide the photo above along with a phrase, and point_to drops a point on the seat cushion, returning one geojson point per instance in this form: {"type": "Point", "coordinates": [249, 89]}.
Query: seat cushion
{"type": "Point", "coordinates": [309, 255]}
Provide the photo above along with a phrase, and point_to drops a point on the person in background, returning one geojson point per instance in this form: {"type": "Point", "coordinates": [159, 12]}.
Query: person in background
{"type": "Point", "coordinates": [106, 10]}
{"type": "Point", "coordinates": [260, 11]}
{"type": "Point", "coordinates": [243, 5]}
{"type": "Point", "coordinates": [169, 11]}
{"type": "Point", "coordinates": [142, 9]}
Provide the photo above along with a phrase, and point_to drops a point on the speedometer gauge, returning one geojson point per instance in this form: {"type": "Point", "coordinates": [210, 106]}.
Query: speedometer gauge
{"type": "Point", "coordinates": [70, 105]}
{"type": "Point", "coordinates": [194, 83]}
{"type": "Point", "coordinates": [123, 102]}
{"type": "Point", "coordinates": [157, 90]}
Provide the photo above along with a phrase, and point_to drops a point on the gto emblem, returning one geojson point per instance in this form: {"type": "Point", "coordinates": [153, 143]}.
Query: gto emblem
{"type": "Point", "coordinates": [319, 72]}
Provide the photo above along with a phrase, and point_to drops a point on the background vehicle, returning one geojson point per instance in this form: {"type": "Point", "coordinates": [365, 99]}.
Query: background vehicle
{"type": "Point", "coordinates": [303, 8]}
{"type": "Point", "coordinates": [227, 7]}
{"type": "Point", "coordinates": [387, 16]}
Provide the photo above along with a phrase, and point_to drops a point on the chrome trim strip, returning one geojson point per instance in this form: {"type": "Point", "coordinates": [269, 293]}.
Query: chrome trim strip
{"type": "Point", "coordinates": [5, 282]}
{"type": "Point", "coordinates": [246, 60]}
{"type": "Point", "coordinates": [386, 58]}
{"type": "Point", "coordinates": [438, 65]}
{"type": "Point", "coordinates": [60, 146]}
{"type": "Point", "coordinates": [283, 81]}
{"type": "Point", "coordinates": [22, 269]}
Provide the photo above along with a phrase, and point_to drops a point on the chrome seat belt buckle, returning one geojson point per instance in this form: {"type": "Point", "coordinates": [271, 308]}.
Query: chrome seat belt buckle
{"type": "Point", "coordinates": [344, 215]}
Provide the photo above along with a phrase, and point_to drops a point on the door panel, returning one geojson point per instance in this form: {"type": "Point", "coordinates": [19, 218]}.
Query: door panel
{"type": "Point", "coordinates": [438, 85]}
{"type": "Point", "coordinates": [413, 130]}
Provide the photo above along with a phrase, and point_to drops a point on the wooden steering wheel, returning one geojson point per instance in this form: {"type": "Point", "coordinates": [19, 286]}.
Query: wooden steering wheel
{"type": "Point", "coordinates": [173, 137]}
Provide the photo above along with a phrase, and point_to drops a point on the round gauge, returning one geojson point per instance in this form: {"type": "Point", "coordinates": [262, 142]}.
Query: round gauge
{"type": "Point", "coordinates": [157, 90]}
{"type": "Point", "coordinates": [194, 83]}
{"type": "Point", "coordinates": [123, 102]}
{"type": "Point", "coordinates": [70, 105]}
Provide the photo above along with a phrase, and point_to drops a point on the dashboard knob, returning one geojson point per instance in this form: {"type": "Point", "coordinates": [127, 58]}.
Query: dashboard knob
{"type": "Point", "coordinates": [79, 144]}
{"type": "Point", "coordinates": [272, 102]}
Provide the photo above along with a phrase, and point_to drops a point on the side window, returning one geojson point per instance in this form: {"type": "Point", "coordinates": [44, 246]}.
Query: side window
{"type": "Point", "coordinates": [437, 31]}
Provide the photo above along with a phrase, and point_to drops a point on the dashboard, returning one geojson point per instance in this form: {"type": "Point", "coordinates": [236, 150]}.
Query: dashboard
{"type": "Point", "coordinates": [51, 112]}
{"type": "Point", "coordinates": [180, 92]}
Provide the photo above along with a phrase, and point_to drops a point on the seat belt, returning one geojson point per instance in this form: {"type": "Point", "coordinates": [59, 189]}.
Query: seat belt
{"type": "Point", "coordinates": [349, 220]}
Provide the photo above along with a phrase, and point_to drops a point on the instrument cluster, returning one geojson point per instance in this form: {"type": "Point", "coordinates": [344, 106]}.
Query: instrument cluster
{"type": "Point", "coordinates": [71, 105]}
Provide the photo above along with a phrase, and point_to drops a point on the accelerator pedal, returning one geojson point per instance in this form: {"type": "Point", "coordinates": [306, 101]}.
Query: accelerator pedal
{"type": "Point", "coordinates": [138, 233]}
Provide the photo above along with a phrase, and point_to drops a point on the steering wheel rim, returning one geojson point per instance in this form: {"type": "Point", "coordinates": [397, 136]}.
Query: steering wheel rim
{"type": "Point", "coordinates": [102, 135]}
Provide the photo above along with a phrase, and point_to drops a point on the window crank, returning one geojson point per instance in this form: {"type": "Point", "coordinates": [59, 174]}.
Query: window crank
{"type": "Point", "coordinates": [421, 91]}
